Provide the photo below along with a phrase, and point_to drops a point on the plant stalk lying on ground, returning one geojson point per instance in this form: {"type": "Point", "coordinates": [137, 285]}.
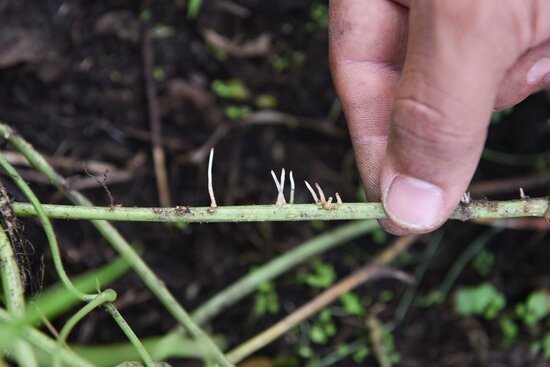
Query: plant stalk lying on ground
{"type": "Point", "coordinates": [536, 207]}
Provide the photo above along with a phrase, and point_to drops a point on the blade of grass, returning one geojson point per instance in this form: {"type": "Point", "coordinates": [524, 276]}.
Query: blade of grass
{"type": "Point", "coordinates": [468, 254]}
{"type": "Point", "coordinates": [56, 300]}
{"type": "Point", "coordinates": [171, 345]}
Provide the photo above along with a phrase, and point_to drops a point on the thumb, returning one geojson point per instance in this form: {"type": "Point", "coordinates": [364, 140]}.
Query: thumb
{"type": "Point", "coordinates": [458, 53]}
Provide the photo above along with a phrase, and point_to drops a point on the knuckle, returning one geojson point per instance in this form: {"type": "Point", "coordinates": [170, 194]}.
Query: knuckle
{"type": "Point", "coordinates": [422, 129]}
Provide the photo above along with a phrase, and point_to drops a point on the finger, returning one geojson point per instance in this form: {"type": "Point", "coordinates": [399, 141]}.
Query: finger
{"type": "Point", "coordinates": [455, 63]}
{"type": "Point", "coordinates": [366, 49]}
{"type": "Point", "coordinates": [529, 74]}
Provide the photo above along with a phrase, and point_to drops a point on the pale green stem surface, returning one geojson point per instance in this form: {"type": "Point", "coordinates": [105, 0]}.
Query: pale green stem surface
{"type": "Point", "coordinates": [536, 207]}
{"type": "Point", "coordinates": [43, 343]}
{"type": "Point", "coordinates": [106, 296]}
{"type": "Point", "coordinates": [14, 295]}
{"type": "Point", "coordinates": [130, 334]}
{"type": "Point", "coordinates": [155, 285]}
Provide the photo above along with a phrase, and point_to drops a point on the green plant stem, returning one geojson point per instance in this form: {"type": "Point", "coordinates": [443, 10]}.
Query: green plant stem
{"type": "Point", "coordinates": [106, 296]}
{"type": "Point", "coordinates": [535, 207]}
{"type": "Point", "coordinates": [155, 285]}
{"type": "Point", "coordinates": [14, 296]}
{"type": "Point", "coordinates": [130, 334]}
{"type": "Point", "coordinates": [278, 266]}
{"type": "Point", "coordinates": [43, 343]}
{"type": "Point", "coordinates": [46, 224]}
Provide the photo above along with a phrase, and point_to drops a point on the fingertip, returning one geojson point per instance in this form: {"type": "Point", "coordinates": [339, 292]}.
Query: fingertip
{"type": "Point", "coordinates": [413, 205]}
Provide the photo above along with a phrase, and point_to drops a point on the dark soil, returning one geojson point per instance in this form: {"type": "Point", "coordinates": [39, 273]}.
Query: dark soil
{"type": "Point", "coordinates": [71, 82]}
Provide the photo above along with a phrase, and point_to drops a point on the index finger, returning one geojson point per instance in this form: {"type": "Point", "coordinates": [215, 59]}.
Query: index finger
{"type": "Point", "coordinates": [367, 41]}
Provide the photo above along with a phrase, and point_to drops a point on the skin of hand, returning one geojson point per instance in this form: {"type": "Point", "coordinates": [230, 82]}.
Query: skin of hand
{"type": "Point", "coordinates": [418, 81]}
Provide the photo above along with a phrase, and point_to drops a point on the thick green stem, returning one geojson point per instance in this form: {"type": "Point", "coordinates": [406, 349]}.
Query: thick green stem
{"type": "Point", "coordinates": [110, 233]}
{"type": "Point", "coordinates": [536, 207]}
{"type": "Point", "coordinates": [14, 295]}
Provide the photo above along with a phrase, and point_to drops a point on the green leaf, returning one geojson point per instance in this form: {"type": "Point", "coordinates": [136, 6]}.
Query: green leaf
{"type": "Point", "coordinates": [352, 304]}
{"type": "Point", "coordinates": [56, 300]}
{"type": "Point", "coordinates": [509, 330]}
{"type": "Point", "coordinates": [230, 89]}
{"type": "Point", "coordinates": [323, 275]}
{"type": "Point", "coordinates": [317, 334]}
{"type": "Point", "coordinates": [193, 8]}
{"type": "Point", "coordinates": [360, 355]}
{"type": "Point", "coordinates": [483, 300]}
{"type": "Point", "coordinates": [535, 308]}
{"type": "Point", "coordinates": [483, 262]}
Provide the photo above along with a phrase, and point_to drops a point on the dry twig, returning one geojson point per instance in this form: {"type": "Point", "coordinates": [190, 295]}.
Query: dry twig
{"type": "Point", "coordinates": [159, 158]}
{"type": "Point", "coordinates": [375, 270]}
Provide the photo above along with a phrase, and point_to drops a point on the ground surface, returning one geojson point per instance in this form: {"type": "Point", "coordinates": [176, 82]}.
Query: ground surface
{"type": "Point", "coordinates": [71, 82]}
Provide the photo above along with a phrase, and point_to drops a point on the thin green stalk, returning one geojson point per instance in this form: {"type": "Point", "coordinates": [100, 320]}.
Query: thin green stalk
{"type": "Point", "coordinates": [14, 296]}
{"type": "Point", "coordinates": [475, 247]}
{"type": "Point", "coordinates": [535, 207]}
{"type": "Point", "coordinates": [43, 343]}
{"type": "Point", "coordinates": [155, 285]}
{"type": "Point", "coordinates": [46, 224]}
{"type": "Point", "coordinates": [106, 296]}
{"type": "Point", "coordinates": [408, 297]}
{"type": "Point", "coordinates": [278, 266]}
{"type": "Point", "coordinates": [123, 325]}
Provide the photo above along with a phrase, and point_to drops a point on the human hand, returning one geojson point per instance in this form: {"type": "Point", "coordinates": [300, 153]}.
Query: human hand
{"type": "Point", "coordinates": [418, 81]}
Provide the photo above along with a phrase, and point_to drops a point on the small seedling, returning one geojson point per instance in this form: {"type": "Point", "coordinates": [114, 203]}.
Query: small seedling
{"type": "Point", "coordinates": [266, 300]}
{"type": "Point", "coordinates": [483, 262]}
{"type": "Point", "coordinates": [323, 328]}
{"type": "Point", "coordinates": [535, 308]}
{"type": "Point", "coordinates": [322, 275]}
{"type": "Point", "coordinates": [352, 304]}
{"type": "Point", "coordinates": [483, 300]}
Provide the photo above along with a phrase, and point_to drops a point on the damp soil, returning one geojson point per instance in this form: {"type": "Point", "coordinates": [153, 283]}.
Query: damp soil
{"type": "Point", "coordinates": [72, 83]}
